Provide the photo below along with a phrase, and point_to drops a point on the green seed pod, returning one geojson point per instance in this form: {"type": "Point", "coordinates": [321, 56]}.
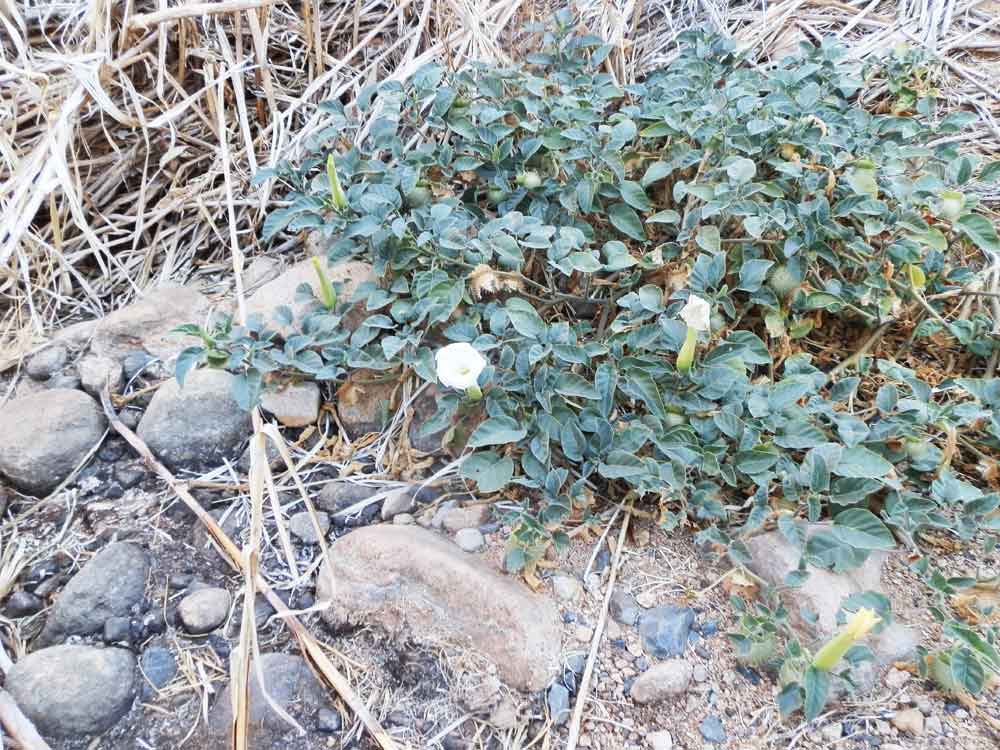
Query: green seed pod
{"type": "Point", "coordinates": [782, 281]}
{"type": "Point", "coordinates": [495, 195]}
{"type": "Point", "coordinates": [419, 196]}
{"type": "Point", "coordinates": [529, 180]}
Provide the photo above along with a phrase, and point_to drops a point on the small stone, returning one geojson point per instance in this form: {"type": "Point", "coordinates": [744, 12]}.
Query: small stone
{"type": "Point", "coordinates": [700, 673]}
{"type": "Point", "coordinates": [583, 633]}
{"type": "Point", "coordinates": [933, 725]}
{"type": "Point", "coordinates": [566, 588]}
{"type": "Point", "coordinates": [504, 715]}
{"type": "Point", "coordinates": [295, 405]}
{"type": "Point", "coordinates": [662, 681]}
{"type": "Point", "coordinates": [95, 372]}
{"type": "Point", "coordinates": [832, 732]}
{"type": "Point", "coordinates": [301, 525]}
{"type": "Point", "coordinates": [661, 740]}
{"type": "Point", "coordinates": [403, 519]}
{"type": "Point", "coordinates": [961, 714]}
{"type": "Point", "coordinates": [158, 666]}
{"type": "Point", "coordinates": [709, 628]}
{"type": "Point", "coordinates": [329, 721]}
{"type": "Point", "coordinates": [613, 632]}
{"type": "Point", "coordinates": [470, 540]}
{"type": "Point", "coordinates": [400, 501]}
{"type": "Point", "coordinates": [136, 363]}
{"type": "Point", "coordinates": [204, 610]}
{"type": "Point", "coordinates": [576, 662]}
{"type": "Point", "coordinates": [924, 704]}
{"type": "Point", "coordinates": [909, 720]}
{"type": "Point", "coordinates": [109, 585]}
{"type": "Point", "coordinates": [47, 362]}
{"type": "Point", "coordinates": [467, 517]}
{"type": "Point", "coordinates": [68, 691]}
{"type": "Point", "coordinates": [112, 450]}
{"type": "Point", "coordinates": [624, 608]}
{"type": "Point", "coordinates": [665, 629]}
{"type": "Point", "coordinates": [558, 702]}
{"type": "Point", "coordinates": [22, 604]}
{"type": "Point", "coordinates": [712, 730]}
{"type": "Point", "coordinates": [897, 678]}
{"type": "Point", "coordinates": [117, 630]}
{"type": "Point", "coordinates": [45, 436]}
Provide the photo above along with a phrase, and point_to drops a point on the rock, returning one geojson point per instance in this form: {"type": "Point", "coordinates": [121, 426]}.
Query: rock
{"type": "Point", "coordinates": [505, 715]}
{"type": "Point", "coordinates": [897, 678]}
{"type": "Point", "coordinates": [196, 427]}
{"type": "Point", "coordinates": [45, 436]}
{"type": "Point", "coordinates": [403, 519]}
{"type": "Point", "coordinates": [566, 588]}
{"type": "Point", "coordinates": [400, 501]}
{"type": "Point", "coordinates": [336, 497]}
{"type": "Point", "coordinates": [95, 371]}
{"type": "Point", "coordinates": [109, 585]}
{"type": "Point", "coordinates": [712, 730]}
{"type": "Point", "coordinates": [295, 405]}
{"type": "Point", "coordinates": [346, 277]}
{"type": "Point", "coordinates": [77, 335]}
{"type": "Point", "coordinates": [909, 720]}
{"type": "Point", "coordinates": [405, 577]}
{"type": "Point", "coordinates": [301, 525]}
{"type": "Point", "coordinates": [700, 673]}
{"type": "Point", "coordinates": [158, 666]}
{"type": "Point", "coordinates": [68, 691]}
{"type": "Point", "coordinates": [290, 684]}
{"type": "Point", "coordinates": [466, 517]}
{"type": "Point", "coordinates": [832, 732]}
{"type": "Point", "coordinates": [624, 608]}
{"type": "Point", "coordinates": [773, 557]}
{"type": "Point", "coordinates": [470, 540]}
{"type": "Point", "coordinates": [139, 363]}
{"type": "Point", "coordinates": [665, 680]}
{"type": "Point", "coordinates": [271, 452]}
{"type": "Point", "coordinates": [23, 604]}
{"type": "Point", "coordinates": [660, 740]}
{"type": "Point", "coordinates": [665, 629]}
{"type": "Point", "coordinates": [148, 324]}
{"type": "Point", "coordinates": [933, 725]}
{"type": "Point", "coordinates": [204, 610]}
{"type": "Point", "coordinates": [558, 702]}
{"type": "Point", "coordinates": [44, 364]}
{"type": "Point", "coordinates": [329, 721]}
{"type": "Point", "coordinates": [366, 401]}
{"type": "Point", "coordinates": [117, 630]}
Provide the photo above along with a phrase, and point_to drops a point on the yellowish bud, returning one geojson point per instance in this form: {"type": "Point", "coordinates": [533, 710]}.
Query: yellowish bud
{"type": "Point", "coordinates": [857, 627]}
{"type": "Point", "coordinates": [686, 356]}
{"type": "Point", "coordinates": [327, 294]}
{"type": "Point", "coordinates": [337, 196]}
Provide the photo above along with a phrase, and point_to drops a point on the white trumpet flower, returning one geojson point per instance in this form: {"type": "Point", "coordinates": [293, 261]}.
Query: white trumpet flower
{"type": "Point", "coordinates": [697, 313]}
{"type": "Point", "coordinates": [459, 366]}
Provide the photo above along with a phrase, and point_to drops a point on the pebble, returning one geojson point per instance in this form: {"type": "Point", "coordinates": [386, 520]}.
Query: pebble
{"type": "Point", "coordinates": [296, 405]}
{"type": "Point", "coordinates": [467, 517]}
{"type": "Point", "coordinates": [566, 588]}
{"type": "Point", "coordinates": [68, 691]}
{"type": "Point", "coordinates": [95, 372]}
{"type": "Point", "coordinates": [558, 702]}
{"type": "Point", "coordinates": [832, 732]}
{"type": "Point", "coordinates": [158, 666]}
{"type": "Point", "coordinates": [301, 525]}
{"type": "Point", "coordinates": [661, 740]}
{"type": "Point", "coordinates": [329, 721]}
{"type": "Point", "coordinates": [641, 663]}
{"type": "Point", "coordinates": [112, 450]}
{"type": "Point", "coordinates": [399, 502]}
{"type": "Point", "coordinates": [700, 673]}
{"type": "Point", "coordinates": [47, 362]}
{"type": "Point", "coordinates": [664, 680]}
{"type": "Point", "coordinates": [576, 662]}
{"type": "Point", "coordinates": [23, 604]}
{"type": "Point", "coordinates": [117, 630]}
{"type": "Point", "coordinates": [924, 704]}
{"type": "Point", "coordinates": [909, 720]}
{"type": "Point", "coordinates": [709, 628]}
{"type": "Point", "coordinates": [933, 725]}
{"type": "Point", "coordinates": [897, 678]}
{"type": "Point", "coordinates": [403, 519]}
{"type": "Point", "coordinates": [624, 608]}
{"type": "Point", "coordinates": [583, 633]}
{"type": "Point", "coordinates": [470, 540]}
{"type": "Point", "coordinates": [204, 610]}
{"type": "Point", "coordinates": [665, 629]}
{"type": "Point", "coordinates": [712, 730]}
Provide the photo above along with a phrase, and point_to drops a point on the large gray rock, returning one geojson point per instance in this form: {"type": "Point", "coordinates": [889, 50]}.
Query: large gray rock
{"type": "Point", "coordinates": [68, 691]}
{"type": "Point", "coordinates": [197, 426]}
{"type": "Point", "coordinates": [774, 557]}
{"type": "Point", "coordinates": [148, 324]}
{"type": "Point", "coordinates": [417, 585]}
{"type": "Point", "coordinates": [290, 684]}
{"type": "Point", "coordinates": [45, 436]}
{"type": "Point", "coordinates": [109, 585]}
{"type": "Point", "coordinates": [48, 361]}
{"type": "Point", "coordinates": [347, 275]}
{"type": "Point", "coordinates": [204, 610]}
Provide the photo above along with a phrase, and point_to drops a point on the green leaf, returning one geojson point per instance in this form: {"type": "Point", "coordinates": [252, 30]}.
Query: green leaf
{"type": "Point", "coordinates": [572, 385]}
{"type": "Point", "coordinates": [635, 196]}
{"type": "Point", "coordinates": [524, 318]}
{"type": "Point", "coordinates": [741, 170]}
{"type": "Point", "coordinates": [584, 262]}
{"type": "Point", "coordinates": [627, 221]}
{"type": "Point", "coordinates": [816, 686]}
{"type": "Point", "coordinates": [667, 216]}
{"type": "Point", "coordinates": [656, 172]}
{"type": "Point", "coordinates": [862, 529]}
{"type": "Point", "coordinates": [863, 182]}
{"type": "Point", "coordinates": [488, 470]}
{"type": "Point", "coordinates": [649, 392]}
{"type": "Point", "coordinates": [708, 238]}
{"type": "Point", "coordinates": [861, 463]}
{"type": "Point", "coordinates": [187, 359]}
{"type": "Point", "coordinates": [620, 464]}
{"type": "Point", "coordinates": [967, 671]}
{"type": "Point", "coordinates": [980, 230]}
{"type": "Point", "coordinates": [497, 431]}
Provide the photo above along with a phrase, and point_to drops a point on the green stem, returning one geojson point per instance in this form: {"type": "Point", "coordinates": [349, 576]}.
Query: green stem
{"type": "Point", "coordinates": [686, 356]}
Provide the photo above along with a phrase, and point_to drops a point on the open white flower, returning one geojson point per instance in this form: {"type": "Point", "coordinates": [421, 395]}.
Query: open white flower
{"type": "Point", "coordinates": [697, 313]}
{"type": "Point", "coordinates": [459, 365]}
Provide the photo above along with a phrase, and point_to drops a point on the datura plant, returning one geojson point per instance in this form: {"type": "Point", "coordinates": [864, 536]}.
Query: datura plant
{"type": "Point", "coordinates": [640, 292]}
